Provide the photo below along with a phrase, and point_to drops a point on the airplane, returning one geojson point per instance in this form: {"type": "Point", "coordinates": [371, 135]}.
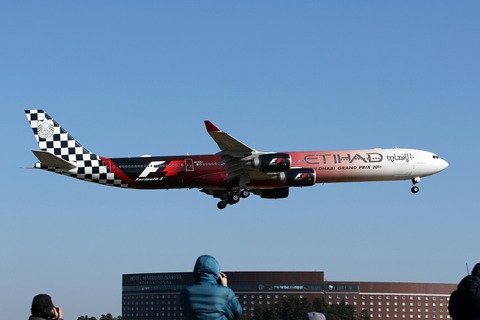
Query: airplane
{"type": "Point", "coordinates": [235, 172]}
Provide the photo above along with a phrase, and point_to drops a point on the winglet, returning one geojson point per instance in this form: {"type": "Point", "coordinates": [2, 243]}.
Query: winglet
{"type": "Point", "coordinates": [210, 126]}
{"type": "Point", "coordinates": [225, 142]}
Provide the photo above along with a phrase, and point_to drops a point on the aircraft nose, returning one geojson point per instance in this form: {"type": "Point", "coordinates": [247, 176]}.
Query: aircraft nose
{"type": "Point", "coordinates": [443, 164]}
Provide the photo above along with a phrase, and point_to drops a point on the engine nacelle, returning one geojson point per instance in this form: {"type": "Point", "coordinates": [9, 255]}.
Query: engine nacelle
{"type": "Point", "coordinates": [278, 193]}
{"type": "Point", "coordinates": [298, 177]}
{"type": "Point", "coordinates": [272, 162]}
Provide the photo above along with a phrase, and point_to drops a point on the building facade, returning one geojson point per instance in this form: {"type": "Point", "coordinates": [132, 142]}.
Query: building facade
{"type": "Point", "coordinates": [155, 296]}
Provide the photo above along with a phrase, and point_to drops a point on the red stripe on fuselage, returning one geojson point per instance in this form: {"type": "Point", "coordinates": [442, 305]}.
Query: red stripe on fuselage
{"type": "Point", "coordinates": [113, 167]}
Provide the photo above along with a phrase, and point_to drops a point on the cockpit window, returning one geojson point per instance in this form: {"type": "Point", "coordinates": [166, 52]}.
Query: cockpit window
{"type": "Point", "coordinates": [436, 157]}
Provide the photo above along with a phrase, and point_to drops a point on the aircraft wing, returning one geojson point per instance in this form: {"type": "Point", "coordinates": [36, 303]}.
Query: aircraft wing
{"type": "Point", "coordinates": [236, 155]}
{"type": "Point", "coordinates": [227, 143]}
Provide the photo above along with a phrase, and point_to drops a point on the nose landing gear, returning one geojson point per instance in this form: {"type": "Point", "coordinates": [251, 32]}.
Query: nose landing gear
{"type": "Point", "coordinates": [415, 189]}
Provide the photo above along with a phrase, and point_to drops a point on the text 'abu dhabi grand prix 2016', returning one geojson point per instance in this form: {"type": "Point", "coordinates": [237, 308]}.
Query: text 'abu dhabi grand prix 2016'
{"type": "Point", "coordinates": [235, 172]}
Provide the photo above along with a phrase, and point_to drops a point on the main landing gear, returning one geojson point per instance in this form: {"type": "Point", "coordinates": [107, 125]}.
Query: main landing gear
{"type": "Point", "coordinates": [231, 198]}
{"type": "Point", "coordinates": [415, 189]}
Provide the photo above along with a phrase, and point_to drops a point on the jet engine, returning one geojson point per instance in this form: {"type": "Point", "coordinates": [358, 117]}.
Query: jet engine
{"type": "Point", "coordinates": [272, 162]}
{"type": "Point", "coordinates": [298, 177]}
{"type": "Point", "coordinates": [278, 193]}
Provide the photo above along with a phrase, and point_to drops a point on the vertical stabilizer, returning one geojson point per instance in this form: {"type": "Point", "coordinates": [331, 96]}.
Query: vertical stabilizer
{"type": "Point", "coordinates": [52, 138]}
{"type": "Point", "coordinates": [61, 153]}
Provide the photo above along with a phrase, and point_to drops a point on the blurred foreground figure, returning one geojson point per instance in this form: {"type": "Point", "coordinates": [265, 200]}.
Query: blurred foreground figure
{"type": "Point", "coordinates": [465, 301]}
{"type": "Point", "coordinates": [209, 297]}
{"type": "Point", "coordinates": [43, 308]}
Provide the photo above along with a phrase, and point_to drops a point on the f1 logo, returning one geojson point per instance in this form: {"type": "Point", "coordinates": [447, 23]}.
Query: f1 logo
{"type": "Point", "coordinates": [275, 161]}
{"type": "Point", "coordinates": [301, 176]}
{"type": "Point", "coordinates": [152, 167]}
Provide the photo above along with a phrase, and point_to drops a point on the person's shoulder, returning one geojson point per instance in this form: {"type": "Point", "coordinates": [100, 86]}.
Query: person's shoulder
{"type": "Point", "coordinates": [228, 291]}
{"type": "Point", "coordinates": [470, 280]}
{"type": "Point", "coordinates": [185, 290]}
{"type": "Point", "coordinates": [469, 287]}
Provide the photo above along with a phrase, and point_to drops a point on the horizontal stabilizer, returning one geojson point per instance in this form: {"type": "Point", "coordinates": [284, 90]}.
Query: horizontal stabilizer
{"type": "Point", "coordinates": [51, 160]}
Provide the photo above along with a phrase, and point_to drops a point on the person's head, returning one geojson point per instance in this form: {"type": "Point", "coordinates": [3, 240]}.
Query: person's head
{"type": "Point", "coordinates": [206, 265]}
{"type": "Point", "coordinates": [42, 306]}
{"type": "Point", "coordinates": [476, 270]}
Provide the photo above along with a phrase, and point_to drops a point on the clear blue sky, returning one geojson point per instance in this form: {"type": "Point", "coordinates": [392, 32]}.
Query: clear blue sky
{"type": "Point", "coordinates": [128, 78]}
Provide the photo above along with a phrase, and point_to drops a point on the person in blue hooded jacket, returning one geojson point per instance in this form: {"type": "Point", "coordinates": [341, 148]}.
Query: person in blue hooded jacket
{"type": "Point", "coordinates": [209, 297]}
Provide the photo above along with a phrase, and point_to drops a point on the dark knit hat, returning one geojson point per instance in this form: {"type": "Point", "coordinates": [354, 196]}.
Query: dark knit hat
{"type": "Point", "coordinates": [476, 270]}
{"type": "Point", "coordinates": [42, 305]}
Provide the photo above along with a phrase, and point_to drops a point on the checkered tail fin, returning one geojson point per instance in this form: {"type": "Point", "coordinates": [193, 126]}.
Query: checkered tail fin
{"type": "Point", "coordinates": [58, 148]}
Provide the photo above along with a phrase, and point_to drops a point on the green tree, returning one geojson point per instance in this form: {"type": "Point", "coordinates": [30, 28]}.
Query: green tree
{"type": "Point", "coordinates": [341, 311]}
{"type": "Point", "coordinates": [107, 316]}
{"type": "Point", "coordinates": [263, 313]}
{"type": "Point", "coordinates": [295, 308]}
{"type": "Point", "coordinates": [365, 315]}
{"type": "Point", "coordinates": [288, 308]}
{"type": "Point", "coordinates": [320, 305]}
{"type": "Point", "coordinates": [86, 318]}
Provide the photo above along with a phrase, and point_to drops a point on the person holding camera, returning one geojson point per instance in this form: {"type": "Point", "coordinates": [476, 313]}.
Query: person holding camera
{"type": "Point", "coordinates": [43, 308]}
{"type": "Point", "coordinates": [209, 297]}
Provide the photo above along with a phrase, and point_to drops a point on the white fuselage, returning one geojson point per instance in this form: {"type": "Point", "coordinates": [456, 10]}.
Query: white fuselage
{"type": "Point", "coordinates": [369, 164]}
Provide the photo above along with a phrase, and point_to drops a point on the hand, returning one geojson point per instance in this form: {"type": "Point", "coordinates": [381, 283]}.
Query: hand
{"type": "Point", "coordinates": [222, 279]}
{"type": "Point", "coordinates": [57, 313]}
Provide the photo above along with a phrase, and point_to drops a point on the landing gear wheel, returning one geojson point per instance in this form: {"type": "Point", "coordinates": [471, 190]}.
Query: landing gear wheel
{"type": "Point", "coordinates": [224, 195]}
{"type": "Point", "coordinates": [222, 204]}
{"type": "Point", "coordinates": [244, 193]}
{"type": "Point", "coordinates": [415, 189]}
{"type": "Point", "coordinates": [234, 198]}
{"type": "Point", "coordinates": [231, 198]}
